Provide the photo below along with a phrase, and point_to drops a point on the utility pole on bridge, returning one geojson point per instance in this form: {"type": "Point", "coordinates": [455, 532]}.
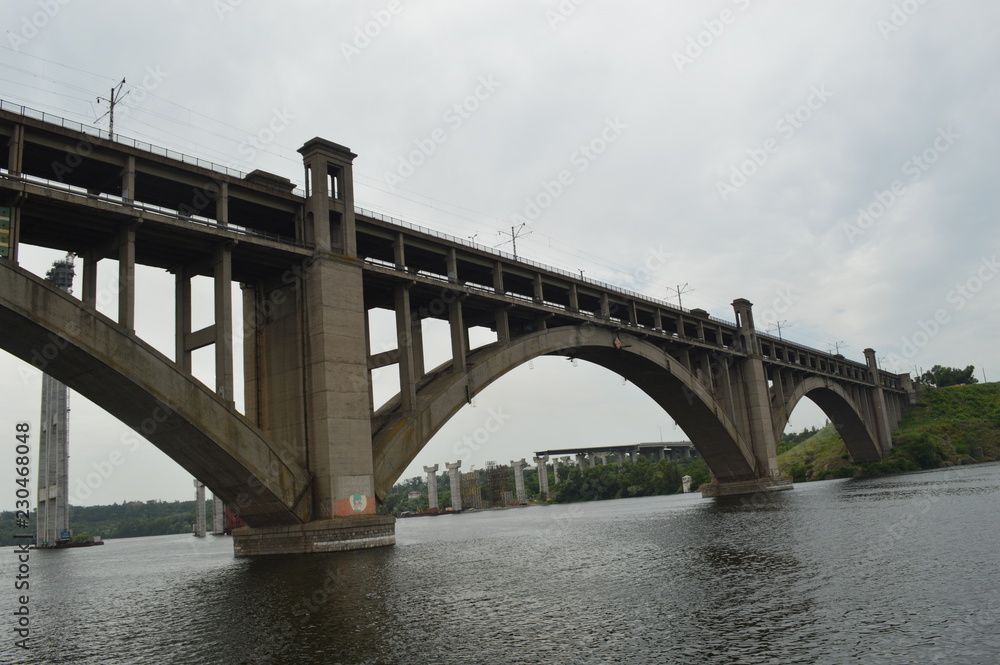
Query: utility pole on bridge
{"type": "Point", "coordinates": [113, 99]}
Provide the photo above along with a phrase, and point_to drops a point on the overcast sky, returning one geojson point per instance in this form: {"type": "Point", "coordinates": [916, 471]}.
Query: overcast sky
{"type": "Point", "coordinates": [834, 163]}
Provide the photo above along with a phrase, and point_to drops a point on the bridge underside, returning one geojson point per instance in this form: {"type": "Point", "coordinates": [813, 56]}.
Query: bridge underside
{"type": "Point", "coordinates": [399, 436]}
{"type": "Point", "coordinates": [133, 382]}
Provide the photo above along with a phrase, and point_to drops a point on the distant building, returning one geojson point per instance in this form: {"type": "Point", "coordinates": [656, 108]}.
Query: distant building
{"type": "Point", "coordinates": [671, 450]}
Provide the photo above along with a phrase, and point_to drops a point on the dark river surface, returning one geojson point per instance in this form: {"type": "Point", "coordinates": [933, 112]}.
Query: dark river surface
{"type": "Point", "coordinates": [893, 570]}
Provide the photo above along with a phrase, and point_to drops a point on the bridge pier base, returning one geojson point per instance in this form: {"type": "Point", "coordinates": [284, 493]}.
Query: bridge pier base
{"type": "Point", "coordinates": [715, 488]}
{"type": "Point", "coordinates": [344, 533]}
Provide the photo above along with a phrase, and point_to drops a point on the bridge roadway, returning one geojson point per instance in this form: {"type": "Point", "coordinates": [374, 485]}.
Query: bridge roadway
{"type": "Point", "coordinates": [308, 461]}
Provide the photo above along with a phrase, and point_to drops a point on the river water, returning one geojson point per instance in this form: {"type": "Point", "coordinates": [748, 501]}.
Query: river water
{"type": "Point", "coordinates": [891, 570]}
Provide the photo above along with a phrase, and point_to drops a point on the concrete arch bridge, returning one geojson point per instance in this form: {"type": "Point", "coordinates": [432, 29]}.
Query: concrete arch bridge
{"type": "Point", "coordinates": [307, 461]}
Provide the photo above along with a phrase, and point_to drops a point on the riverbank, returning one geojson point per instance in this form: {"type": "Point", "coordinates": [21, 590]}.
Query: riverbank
{"type": "Point", "coordinates": [948, 427]}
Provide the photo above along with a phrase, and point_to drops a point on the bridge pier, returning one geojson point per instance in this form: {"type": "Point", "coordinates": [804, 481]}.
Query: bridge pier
{"type": "Point", "coordinates": [336, 535]}
{"type": "Point", "coordinates": [543, 474]}
{"type": "Point", "coordinates": [455, 478]}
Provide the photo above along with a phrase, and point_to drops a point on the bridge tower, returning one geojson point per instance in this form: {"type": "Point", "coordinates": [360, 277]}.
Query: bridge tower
{"type": "Point", "coordinates": [748, 394]}
{"type": "Point", "coordinates": [52, 522]}
{"type": "Point", "coordinates": [307, 380]}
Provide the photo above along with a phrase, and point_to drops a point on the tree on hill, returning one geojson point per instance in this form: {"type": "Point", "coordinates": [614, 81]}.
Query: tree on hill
{"type": "Point", "coordinates": [942, 377]}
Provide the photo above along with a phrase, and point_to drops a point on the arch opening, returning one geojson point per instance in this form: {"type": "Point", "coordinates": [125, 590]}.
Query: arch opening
{"type": "Point", "coordinates": [841, 410]}
{"type": "Point", "coordinates": [398, 437]}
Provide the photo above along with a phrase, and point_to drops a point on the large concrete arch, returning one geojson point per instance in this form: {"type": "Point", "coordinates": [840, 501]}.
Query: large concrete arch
{"type": "Point", "coordinates": [96, 357]}
{"type": "Point", "coordinates": [842, 411]}
{"type": "Point", "coordinates": [399, 437]}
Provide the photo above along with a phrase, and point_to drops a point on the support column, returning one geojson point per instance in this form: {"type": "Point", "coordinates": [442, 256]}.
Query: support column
{"type": "Point", "coordinates": [500, 310]}
{"type": "Point", "coordinates": [455, 478]}
{"type": "Point", "coordinates": [126, 278]}
{"type": "Point", "coordinates": [593, 460]}
{"type": "Point", "coordinates": [432, 487]}
{"type": "Point", "coordinates": [621, 457]}
{"type": "Point", "coordinates": [218, 516]}
{"type": "Point", "coordinates": [399, 252]}
{"type": "Point", "coordinates": [565, 460]}
{"type": "Point", "coordinates": [574, 299]}
{"type": "Point", "coordinates": [90, 259]}
{"type": "Point", "coordinates": [555, 470]}
{"type": "Point", "coordinates": [758, 400]}
{"type": "Point", "coordinates": [543, 474]}
{"type": "Point", "coordinates": [538, 294]}
{"type": "Point", "coordinates": [182, 318]}
{"type": "Point", "coordinates": [686, 484]}
{"type": "Point", "coordinates": [404, 342]}
{"type": "Point", "coordinates": [458, 346]}
{"type": "Point", "coordinates": [882, 427]}
{"type": "Point", "coordinates": [199, 509]}
{"type": "Point", "coordinates": [222, 205]}
{"type": "Point", "coordinates": [519, 465]}
{"type": "Point", "coordinates": [417, 349]}
{"type": "Point", "coordinates": [224, 323]}
{"type": "Point", "coordinates": [579, 460]}
{"type": "Point", "coordinates": [128, 180]}
{"type": "Point", "coordinates": [15, 152]}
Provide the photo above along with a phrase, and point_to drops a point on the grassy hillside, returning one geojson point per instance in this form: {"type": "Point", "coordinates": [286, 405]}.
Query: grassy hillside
{"type": "Point", "coordinates": [955, 425]}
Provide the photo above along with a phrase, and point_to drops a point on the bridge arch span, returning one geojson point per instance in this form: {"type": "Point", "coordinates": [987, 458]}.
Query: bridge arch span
{"type": "Point", "coordinates": [144, 389]}
{"type": "Point", "coordinates": [399, 437]}
{"type": "Point", "coordinates": [840, 408]}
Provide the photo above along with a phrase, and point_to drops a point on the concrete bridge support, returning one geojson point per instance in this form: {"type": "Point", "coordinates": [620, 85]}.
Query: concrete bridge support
{"type": "Point", "coordinates": [199, 509]}
{"type": "Point", "coordinates": [542, 464]}
{"type": "Point", "coordinates": [432, 486]}
{"type": "Point", "coordinates": [519, 465]}
{"type": "Point", "coordinates": [555, 470]}
{"type": "Point", "coordinates": [309, 383]}
{"type": "Point", "coordinates": [455, 478]}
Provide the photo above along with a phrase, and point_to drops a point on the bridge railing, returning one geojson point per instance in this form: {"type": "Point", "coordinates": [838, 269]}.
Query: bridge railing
{"type": "Point", "coordinates": [528, 262]}
{"type": "Point", "coordinates": [103, 134]}
{"type": "Point", "coordinates": [149, 207]}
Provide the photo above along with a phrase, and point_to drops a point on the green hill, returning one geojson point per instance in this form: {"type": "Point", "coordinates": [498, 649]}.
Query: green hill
{"type": "Point", "coordinates": [949, 426]}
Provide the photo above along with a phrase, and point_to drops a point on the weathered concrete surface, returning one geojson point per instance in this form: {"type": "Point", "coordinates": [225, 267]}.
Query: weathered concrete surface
{"type": "Point", "coordinates": [96, 357]}
{"type": "Point", "coordinates": [400, 437]}
{"type": "Point", "coordinates": [743, 487]}
{"type": "Point", "coordinates": [336, 535]}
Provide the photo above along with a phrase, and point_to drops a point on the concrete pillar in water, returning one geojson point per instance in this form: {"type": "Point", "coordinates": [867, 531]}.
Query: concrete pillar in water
{"type": "Point", "coordinates": [543, 474]}
{"type": "Point", "coordinates": [199, 509]}
{"type": "Point", "coordinates": [686, 484]}
{"type": "Point", "coordinates": [432, 486]}
{"type": "Point", "coordinates": [455, 477]}
{"type": "Point", "coordinates": [519, 465]}
{"type": "Point", "coordinates": [218, 516]}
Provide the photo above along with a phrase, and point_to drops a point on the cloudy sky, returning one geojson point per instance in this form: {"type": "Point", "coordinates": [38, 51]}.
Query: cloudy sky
{"type": "Point", "coordinates": [831, 162]}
